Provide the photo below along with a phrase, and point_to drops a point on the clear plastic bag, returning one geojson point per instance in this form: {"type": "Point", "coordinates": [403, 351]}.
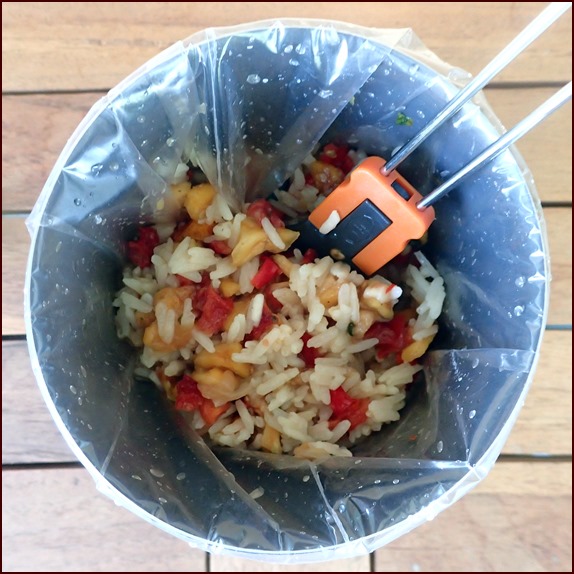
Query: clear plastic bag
{"type": "Point", "coordinates": [249, 103]}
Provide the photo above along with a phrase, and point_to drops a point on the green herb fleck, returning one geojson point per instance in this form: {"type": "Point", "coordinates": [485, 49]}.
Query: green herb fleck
{"type": "Point", "coordinates": [403, 120]}
{"type": "Point", "coordinates": [352, 100]}
{"type": "Point", "coordinates": [351, 328]}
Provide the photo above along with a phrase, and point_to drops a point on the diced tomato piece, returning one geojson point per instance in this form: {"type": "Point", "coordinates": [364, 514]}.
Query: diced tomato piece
{"type": "Point", "coordinates": [337, 155]}
{"type": "Point", "coordinates": [220, 247]}
{"type": "Point", "coordinates": [268, 272]}
{"type": "Point", "coordinates": [308, 354]}
{"type": "Point", "coordinates": [309, 256]}
{"type": "Point", "coordinates": [141, 249]}
{"type": "Point", "coordinates": [309, 179]}
{"type": "Point", "coordinates": [209, 412]}
{"type": "Point", "coordinates": [347, 408]}
{"type": "Point", "coordinates": [184, 281]}
{"type": "Point", "coordinates": [214, 310]}
{"type": "Point", "coordinates": [188, 396]}
{"type": "Point", "coordinates": [393, 335]}
{"type": "Point", "coordinates": [274, 304]}
{"type": "Point", "coordinates": [261, 208]}
{"type": "Point", "coordinates": [268, 319]}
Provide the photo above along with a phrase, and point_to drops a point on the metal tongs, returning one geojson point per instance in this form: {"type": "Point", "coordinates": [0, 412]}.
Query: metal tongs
{"type": "Point", "coordinates": [371, 217]}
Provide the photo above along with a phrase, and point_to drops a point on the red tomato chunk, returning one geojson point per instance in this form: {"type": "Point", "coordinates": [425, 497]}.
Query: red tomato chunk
{"type": "Point", "coordinates": [214, 310]}
{"type": "Point", "coordinates": [141, 249]}
{"type": "Point", "coordinates": [346, 408]}
{"type": "Point", "coordinates": [261, 208]}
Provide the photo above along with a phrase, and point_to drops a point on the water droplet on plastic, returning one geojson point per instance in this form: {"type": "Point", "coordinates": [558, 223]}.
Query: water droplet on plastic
{"type": "Point", "coordinates": [396, 481]}
{"type": "Point", "coordinates": [306, 478]}
{"type": "Point", "coordinates": [518, 310]}
{"type": "Point", "coordinates": [97, 168]}
{"type": "Point", "coordinates": [140, 119]}
{"type": "Point", "coordinates": [294, 62]}
{"type": "Point", "coordinates": [155, 472]}
{"type": "Point", "coordinates": [73, 389]}
{"type": "Point", "coordinates": [520, 281]}
{"type": "Point", "coordinates": [471, 414]}
{"type": "Point", "coordinates": [413, 69]}
{"type": "Point", "coordinates": [162, 500]}
{"type": "Point", "coordinates": [288, 49]}
{"type": "Point", "coordinates": [475, 363]}
{"type": "Point", "coordinates": [342, 507]}
{"type": "Point", "coordinates": [265, 80]}
{"type": "Point", "coordinates": [439, 446]}
{"type": "Point", "coordinates": [386, 72]}
{"type": "Point", "coordinates": [77, 201]}
{"type": "Point", "coordinates": [180, 476]}
{"type": "Point", "coordinates": [136, 477]}
{"type": "Point", "coordinates": [325, 93]}
{"type": "Point", "coordinates": [114, 166]}
{"type": "Point", "coordinates": [169, 142]}
{"type": "Point", "coordinates": [420, 114]}
{"type": "Point", "coordinates": [378, 481]}
{"type": "Point", "coordinates": [300, 49]}
{"type": "Point", "coordinates": [98, 219]}
{"type": "Point", "coordinates": [253, 79]}
{"type": "Point", "coordinates": [80, 401]}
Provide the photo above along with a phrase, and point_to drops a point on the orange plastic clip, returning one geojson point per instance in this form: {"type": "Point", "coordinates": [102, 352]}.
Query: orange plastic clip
{"type": "Point", "coordinates": [395, 197]}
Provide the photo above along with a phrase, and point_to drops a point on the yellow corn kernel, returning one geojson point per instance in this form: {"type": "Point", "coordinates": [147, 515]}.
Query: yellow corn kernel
{"type": "Point", "coordinates": [252, 242]}
{"type": "Point", "coordinates": [328, 293]}
{"type": "Point", "coordinates": [228, 287]}
{"type": "Point", "coordinates": [197, 231]}
{"type": "Point", "coordinates": [416, 349]}
{"type": "Point", "coordinates": [288, 236]}
{"type": "Point", "coordinates": [174, 297]}
{"type": "Point", "coordinates": [385, 310]}
{"type": "Point", "coordinates": [181, 337]}
{"type": "Point", "coordinates": [179, 192]}
{"type": "Point", "coordinates": [283, 263]}
{"type": "Point", "coordinates": [198, 199]}
{"type": "Point", "coordinates": [143, 320]}
{"type": "Point", "coordinates": [326, 177]}
{"type": "Point", "coordinates": [222, 358]}
{"type": "Point", "coordinates": [366, 318]}
{"type": "Point", "coordinates": [217, 384]}
{"type": "Point", "coordinates": [270, 440]}
{"type": "Point", "coordinates": [239, 307]}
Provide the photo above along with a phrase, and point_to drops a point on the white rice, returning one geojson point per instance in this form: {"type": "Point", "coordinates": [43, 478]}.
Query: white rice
{"type": "Point", "coordinates": [272, 234]}
{"type": "Point", "coordinates": [283, 403]}
{"type": "Point", "coordinates": [330, 223]}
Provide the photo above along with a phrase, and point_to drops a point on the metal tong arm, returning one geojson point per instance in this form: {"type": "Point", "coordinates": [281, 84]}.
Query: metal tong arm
{"type": "Point", "coordinates": [540, 113]}
{"type": "Point", "coordinates": [541, 23]}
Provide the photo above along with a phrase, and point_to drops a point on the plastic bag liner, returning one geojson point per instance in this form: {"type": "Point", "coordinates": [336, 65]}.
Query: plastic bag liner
{"type": "Point", "coordinates": [249, 103]}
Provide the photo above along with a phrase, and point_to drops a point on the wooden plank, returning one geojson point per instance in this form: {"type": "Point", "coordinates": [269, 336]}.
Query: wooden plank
{"type": "Point", "coordinates": [91, 45]}
{"type": "Point", "coordinates": [15, 246]}
{"type": "Point", "coordinates": [29, 435]}
{"type": "Point", "coordinates": [518, 520]}
{"type": "Point", "coordinates": [54, 520]}
{"type": "Point", "coordinates": [220, 563]}
{"type": "Point", "coordinates": [544, 425]}
{"type": "Point", "coordinates": [36, 128]}
{"type": "Point", "coordinates": [547, 149]}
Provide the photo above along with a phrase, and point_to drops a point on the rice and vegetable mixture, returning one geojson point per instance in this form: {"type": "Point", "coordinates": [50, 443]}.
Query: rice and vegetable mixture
{"type": "Point", "coordinates": [266, 347]}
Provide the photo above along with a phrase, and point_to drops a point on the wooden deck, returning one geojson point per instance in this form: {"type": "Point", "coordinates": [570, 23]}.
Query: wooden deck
{"type": "Point", "coordinates": [58, 59]}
